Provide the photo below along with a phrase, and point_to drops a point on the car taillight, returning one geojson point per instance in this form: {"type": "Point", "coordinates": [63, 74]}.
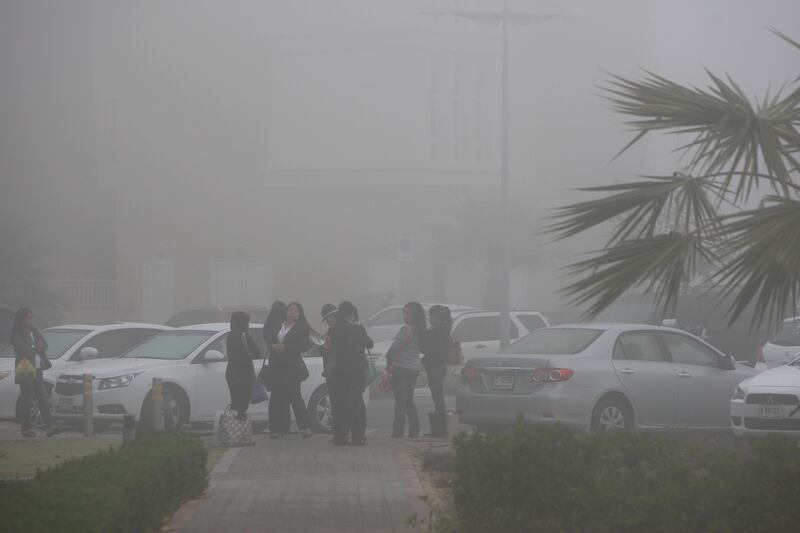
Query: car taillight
{"type": "Point", "coordinates": [760, 355]}
{"type": "Point", "coordinates": [469, 374]}
{"type": "Point", "coordinates": [551, 375]}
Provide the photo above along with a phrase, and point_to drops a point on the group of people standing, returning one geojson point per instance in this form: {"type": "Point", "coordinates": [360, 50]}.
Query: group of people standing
{"type": "Point", "coordinates": [286, 335]}
{"type": "Point", "coordinates": [344, 349]}
{"type": "Point", "coordinates": [404, 362]}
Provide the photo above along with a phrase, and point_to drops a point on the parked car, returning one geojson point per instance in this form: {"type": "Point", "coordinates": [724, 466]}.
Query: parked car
{"type": "Point", "coordinates": [602, 376]}
{"type": "Point", "coordinates": [191, 361]}
{"type": "Point", "coordinates": [72, 347]}
{"type": "Point", "coordinates": [215, 314]}
{"type": "Point", "coordinates": [783, 346]}
{"type": "Point", "coordinates": [384, 325]}
{"type": "Point", "coordinates": [478, 332]}
{"type": "Point", "coordinates": [768, 402]}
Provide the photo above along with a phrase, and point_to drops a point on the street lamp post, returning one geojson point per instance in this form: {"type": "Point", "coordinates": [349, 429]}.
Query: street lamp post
{"type": "Point", "coordinates": [503, 18]}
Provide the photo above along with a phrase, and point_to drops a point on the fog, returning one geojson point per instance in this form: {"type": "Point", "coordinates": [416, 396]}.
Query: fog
{"type": "Point", "coordinates": [157, 156]}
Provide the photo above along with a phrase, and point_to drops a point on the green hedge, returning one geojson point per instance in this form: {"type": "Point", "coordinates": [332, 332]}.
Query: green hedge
{"type": "Point", "coordinates": [130, 489]}
{"type": "Point", "coordinates": [548, 479]}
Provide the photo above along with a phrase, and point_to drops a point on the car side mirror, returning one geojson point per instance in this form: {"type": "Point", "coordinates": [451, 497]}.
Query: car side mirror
{"type": "Point", "coordinates": [213, 356]}
{"type": "Point", "coordinates": [728, 362]}
{"type": "Point", "coordinates": [88, 352]}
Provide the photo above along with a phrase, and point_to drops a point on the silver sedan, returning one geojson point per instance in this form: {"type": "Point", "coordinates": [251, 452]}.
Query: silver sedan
{"type": "Point", "coordinates": [602, 376]}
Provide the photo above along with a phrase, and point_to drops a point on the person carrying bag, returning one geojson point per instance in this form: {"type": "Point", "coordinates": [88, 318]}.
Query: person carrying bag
{"type": "Point", "coordinates": [30, 362]}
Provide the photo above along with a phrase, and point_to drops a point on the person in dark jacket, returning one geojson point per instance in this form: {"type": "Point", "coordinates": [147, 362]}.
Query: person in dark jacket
{"type": "Point", "coordinates": [287, 371]}
{"type": "Point", "coordinates": [240, 373]}
{"type": "Point", "coordinates": [436, 349]}
{"type": "Point", "coordinates": [349, 340]}
{"type": "Point", "coordinates": [30, 362]}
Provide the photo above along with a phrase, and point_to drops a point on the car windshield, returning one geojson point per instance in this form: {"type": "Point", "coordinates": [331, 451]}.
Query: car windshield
{"type": "Point", "coordinates": [555, 341]}
{"type": "Point", "coordinates": [170, 345]}
{"type": "Point", "coordinates": [58, 342]}
{"type": "Point", "coordinates": [789, 335]}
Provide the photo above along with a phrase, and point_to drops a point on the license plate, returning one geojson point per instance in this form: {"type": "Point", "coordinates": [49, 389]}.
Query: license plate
{"type": "Point", "coordinates": [770, 411]}
{"type": "Point", "coordinates": [503, 383]}
{"type": "Point", "coordinates": [64, 400]}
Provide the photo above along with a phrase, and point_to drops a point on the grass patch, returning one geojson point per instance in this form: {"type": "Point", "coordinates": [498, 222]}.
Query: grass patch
{"type": "Point", "coordinates": [23, 458]}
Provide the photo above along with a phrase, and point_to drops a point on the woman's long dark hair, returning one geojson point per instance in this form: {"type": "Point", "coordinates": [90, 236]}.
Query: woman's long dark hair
{"type": "Point", "coordinates": [19, 319]}
{"type": "Point", "coordinates": [302, 320]}
{"type": "Point", "coordinates": [442, 315]}
{"type": "Point", "coordinates": [276, 316]}
{"type": "Point", "coordinates": [418, 323]}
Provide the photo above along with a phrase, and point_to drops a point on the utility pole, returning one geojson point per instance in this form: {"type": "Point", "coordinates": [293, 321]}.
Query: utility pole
{"type": "Point", "coordinates": [504, 18]}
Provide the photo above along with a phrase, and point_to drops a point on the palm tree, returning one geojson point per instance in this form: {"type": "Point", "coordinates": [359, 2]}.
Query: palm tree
{"type": "Point", "coordinates": [667, 230]}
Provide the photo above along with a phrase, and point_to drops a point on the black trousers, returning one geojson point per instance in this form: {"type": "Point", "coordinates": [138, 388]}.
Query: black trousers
{"type": "Point", "coordinates": [30, 389]}
{"type": "Point", "coordinates": [240, 390]}
{"type": "Point", "coordinates": [403, 382]}
{"type": "Point", "coordinates": [436, 375]}
{"type": "Point", "coordinates": [286, 396]}
{"type": "Point", "coordinates": [349, 409]}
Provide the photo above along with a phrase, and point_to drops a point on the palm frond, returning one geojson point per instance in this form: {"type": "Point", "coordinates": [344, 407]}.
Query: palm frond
{"type": "Point", "coordinates": [731, 134]}
{"type": "Point", "coordinates": [664, 264]}
{"type": "Point", "coordinates": [640, 207]}
{"type": "Point", "coordinates": [764, 250]}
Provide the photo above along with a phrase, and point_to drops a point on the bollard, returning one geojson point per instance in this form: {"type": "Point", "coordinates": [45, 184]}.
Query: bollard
{"type": "Point", "coordinates": [452, 424]}
{"type": "Point", "coordinates": [157, 397]}
{"type": "Point", "coordinates": [169, 420]}
{"type": "Point", "coordinates": [128, 430]}
{"type": "Point", "coordinates": [88, 405]}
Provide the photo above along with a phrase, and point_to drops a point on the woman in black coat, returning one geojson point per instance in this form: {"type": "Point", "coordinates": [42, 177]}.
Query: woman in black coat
{"type": "Point", "coordinates": [239, 374]}
{"type": "Point", "coordinates": [349, 342]}
{"type": "Point", "coordinates": [30, 362]}
{"type": "Point", "coordinates": [436, 348]}
{"type": "Point", "coordinates": [287, 371]}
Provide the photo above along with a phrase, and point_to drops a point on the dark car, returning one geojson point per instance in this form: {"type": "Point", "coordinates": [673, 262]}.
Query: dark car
{"type": "Point", "coordinates": [214, 314]}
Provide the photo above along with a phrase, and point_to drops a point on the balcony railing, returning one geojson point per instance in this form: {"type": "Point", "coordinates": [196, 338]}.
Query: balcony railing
{"type": "Point", "coordinates": [87, 294]}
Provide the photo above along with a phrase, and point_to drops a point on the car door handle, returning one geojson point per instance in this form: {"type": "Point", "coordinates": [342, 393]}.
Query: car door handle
{"type": "Point", "coordinates": [627, 371]}
{"type": "Point", "coordinates": [684, 374]}
{"type": "Point", "coordinates": [480, 346]}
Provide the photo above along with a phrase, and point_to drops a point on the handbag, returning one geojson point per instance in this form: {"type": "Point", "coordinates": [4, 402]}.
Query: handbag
{"type": "Point", "coordinates": [266, 377]}
{"type": "Point", "coordinates": [229, 431]}
{"type": "Point", "coordinates": [258, 393]}
{"type": "Point", "coordinates": [371, 372]}
{"type": "Point", "coordinates": [25, 367]}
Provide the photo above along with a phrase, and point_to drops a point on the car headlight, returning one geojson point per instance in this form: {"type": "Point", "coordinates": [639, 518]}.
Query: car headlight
{"type": "Point", "coordinates": [738, 393]}
{"type": "Point", "coordinates": [116, 382]}
{"type": "Point", "coordinates": [4, 374]}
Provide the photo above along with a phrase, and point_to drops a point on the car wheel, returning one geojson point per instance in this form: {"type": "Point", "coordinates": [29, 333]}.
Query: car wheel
{"type": "Point", "coordinates": [320, 411]}
{"type": "Point", "coordinates": [176, 409]}
{"type": "Point", "coordinates": [611, 414]}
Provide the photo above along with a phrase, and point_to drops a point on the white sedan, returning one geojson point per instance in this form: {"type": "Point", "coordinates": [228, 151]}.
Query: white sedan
{"type": "Point", "coordinates": [71, 347]}
{"type": "Point", "coordinates": [768, 402]}
{"type": "Point", "coordinates": [191, 361]}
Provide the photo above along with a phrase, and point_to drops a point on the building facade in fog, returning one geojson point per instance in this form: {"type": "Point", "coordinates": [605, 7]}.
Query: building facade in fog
{"type": "Point", "coordinates": [276, 163]}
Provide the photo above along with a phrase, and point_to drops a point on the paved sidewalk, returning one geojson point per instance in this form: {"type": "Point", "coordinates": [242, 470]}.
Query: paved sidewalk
{"type": "Point", "coordinates": [308, 485]}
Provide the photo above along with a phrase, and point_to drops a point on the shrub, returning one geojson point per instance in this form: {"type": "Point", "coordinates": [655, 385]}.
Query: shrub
{"type": "Point", "coordinates": [125, 490]}
{"type": "Point", "coordinates": [544, 479]}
